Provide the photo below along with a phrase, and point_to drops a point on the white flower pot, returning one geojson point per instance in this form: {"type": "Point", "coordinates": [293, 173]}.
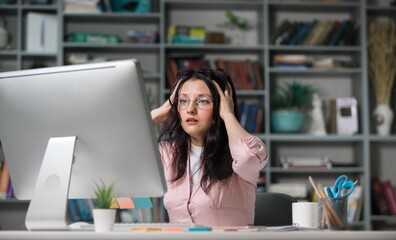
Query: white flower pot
{"type": "Point", "coordinates": [383, 118]}
{"type": "Point", "coordinates": [104, 219]}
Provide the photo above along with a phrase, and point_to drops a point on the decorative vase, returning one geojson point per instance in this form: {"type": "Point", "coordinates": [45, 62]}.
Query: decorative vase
{"type": "Point", "coordinates": [238, 37]}
{"type": "Point", "coordinates": [104, 219]}
{"type": "Point", "coordinates": [287, 121]}
{"type": "Point", "coordinates": [383, 118]}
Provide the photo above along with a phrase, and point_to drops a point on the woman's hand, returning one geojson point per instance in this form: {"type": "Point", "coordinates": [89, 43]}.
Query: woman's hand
{"type": "Point", "coordinates": [234, 129]}
{"type": "Point", "coordinates": [159, 115]}
{"type": "Point", "coordinates": [226, 102]}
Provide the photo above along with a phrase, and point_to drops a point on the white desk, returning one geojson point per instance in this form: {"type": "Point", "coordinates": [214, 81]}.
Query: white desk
{"type": "Point", "coordinates": [263, 235]}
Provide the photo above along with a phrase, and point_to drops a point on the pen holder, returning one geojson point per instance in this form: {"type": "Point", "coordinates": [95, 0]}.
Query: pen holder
{"type": "Point", "coordinates": [332, 213]}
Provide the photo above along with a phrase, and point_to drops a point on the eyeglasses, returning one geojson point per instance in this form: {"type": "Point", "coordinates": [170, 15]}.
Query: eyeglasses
{"type": "Point", "coordinates": [201, 103]}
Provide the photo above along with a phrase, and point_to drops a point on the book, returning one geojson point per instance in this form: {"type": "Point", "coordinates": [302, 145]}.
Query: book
{"type": "Point", "coordinates": [379, 204]}
{"type": "Point", "coordinates": [73, 211]}
{"type": "Point", "coordinates": [314, 29]}
{"type": "Point", "coordinates": [326, 29]}
{"type": "Point", "coordinates": [259, 120]}
{"type": "Point", "coordinates": [293, 33]}
{"type": "Point", "coordinates": [351, 33]}
{"type": "Point", "coordinates": [302, 33]}
{"type": "Point", "coordinates": [334, 27]}
{"type": "Point", "coordinates": [355, 204]}
{"type": "Point", "coordinates": [106, 6]}
{"type": "Point", "coordinates": [279, 30]}
{"type": "Point", "coordinates": [283, 38]}
{"type": "Point", "coordinates": [318, 32]}
{"type": "Point", "coordinates": [244, 114]}
{"type": "Point", "coordinates": [339, 34]}
{"type": "Point", "coordinates": [171, 71]}
{"type": "Point", "coordinates": [252, 117]}
{"type": "Point", "coordinates": [390, 196]}
{"type": "Point", "coordinates": [259, 75]}
{"type": "Point", "coordinates": [84, 210]}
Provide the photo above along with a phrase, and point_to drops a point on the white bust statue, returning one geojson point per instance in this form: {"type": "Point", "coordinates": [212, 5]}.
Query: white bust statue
{"type": "Point", "coordinates": [316, 120]}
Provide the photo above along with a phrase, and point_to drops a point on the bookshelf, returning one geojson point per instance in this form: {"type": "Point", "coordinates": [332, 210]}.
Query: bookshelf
{"type": "Point", "coordinates": [360, 156]}
{"type": "Point", "coordinates": [380, 148]}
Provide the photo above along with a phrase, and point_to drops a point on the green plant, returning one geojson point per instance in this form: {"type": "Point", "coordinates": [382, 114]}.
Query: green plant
{"type": "Point", "coordinates": [104, 194]}
{"type": "Point", "coordinates": [292, 95]}
{"type": "Point", "coordinates": [236, 21]}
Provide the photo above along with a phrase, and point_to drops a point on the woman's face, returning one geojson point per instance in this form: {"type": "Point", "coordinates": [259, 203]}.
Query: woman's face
{"type": "Point", "coordinates": [195, 107]}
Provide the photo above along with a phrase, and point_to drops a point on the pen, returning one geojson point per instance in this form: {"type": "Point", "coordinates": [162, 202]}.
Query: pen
{"type": "Point", "coordinates": [329, 192]}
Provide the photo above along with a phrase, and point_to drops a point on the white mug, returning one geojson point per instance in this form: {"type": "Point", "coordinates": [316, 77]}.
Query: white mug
{"type": "Point", "coordinates": [305, 214]}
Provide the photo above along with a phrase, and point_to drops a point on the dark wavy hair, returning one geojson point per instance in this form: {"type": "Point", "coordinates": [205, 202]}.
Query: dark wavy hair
{"type": "Point", "coordinates": [216, 157]}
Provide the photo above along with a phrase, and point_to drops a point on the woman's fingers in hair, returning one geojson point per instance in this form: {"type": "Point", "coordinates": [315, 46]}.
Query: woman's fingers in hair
{"type": "Point", "coordinates": [229, 89]}
{"type": "Point", "coordinates": [218, 89]}
{"type": "Point", "coordinates": [172, 97]}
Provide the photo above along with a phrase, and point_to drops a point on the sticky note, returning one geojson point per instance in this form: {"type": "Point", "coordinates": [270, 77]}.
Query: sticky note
{"type": "Point", "coordinates": [142, 202]}
{"type": "Point", "coordinates": [145, 229]}
{"type": "Point", "coordinates": [172, 229]}
{"type": "Point", "coordinates": [114, 204]}
{"type": "Point", "coordinates": [199, 229]}
{"type": "Point", "coordinates": [125, 203]}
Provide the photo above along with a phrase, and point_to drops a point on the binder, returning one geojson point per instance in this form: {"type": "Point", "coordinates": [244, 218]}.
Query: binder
{"type": "Point", "coordinates": [42, 33]}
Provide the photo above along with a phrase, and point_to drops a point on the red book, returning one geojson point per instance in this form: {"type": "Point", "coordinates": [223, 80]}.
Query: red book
{"type": "Point", "coordinates": [378, 199]}
{"type": "Point", "coordinates": [390, 196]}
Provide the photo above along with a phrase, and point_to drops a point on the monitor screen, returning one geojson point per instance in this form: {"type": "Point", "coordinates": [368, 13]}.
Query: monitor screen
{"type": "Point", "coordinates": [100, 111]}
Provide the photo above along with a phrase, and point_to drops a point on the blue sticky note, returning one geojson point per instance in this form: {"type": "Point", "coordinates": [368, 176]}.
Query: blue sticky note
{"type": "Point", "coordinates": [142, 202]}
{"type": "Point", "coordinates": [199, 229]}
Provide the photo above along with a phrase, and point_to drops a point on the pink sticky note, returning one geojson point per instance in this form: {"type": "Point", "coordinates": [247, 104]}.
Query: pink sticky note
{"type": "Point", "coordinates": [125, 203]}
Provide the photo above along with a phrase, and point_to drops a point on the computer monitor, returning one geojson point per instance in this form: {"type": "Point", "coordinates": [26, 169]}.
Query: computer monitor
{"type": "Point", "coordinates": [64, 128]}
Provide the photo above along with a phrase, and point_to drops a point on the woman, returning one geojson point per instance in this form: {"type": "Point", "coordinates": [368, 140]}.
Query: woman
{"type": "Point", "coordinates": [211, 163]}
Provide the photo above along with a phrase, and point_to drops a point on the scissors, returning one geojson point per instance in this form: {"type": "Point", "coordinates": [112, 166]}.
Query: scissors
{"type": "Point", "coordinates": [343, 187]}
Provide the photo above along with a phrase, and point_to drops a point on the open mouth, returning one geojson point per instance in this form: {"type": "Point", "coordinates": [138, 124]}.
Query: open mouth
{"type": "Point", "coordinates": [191, 120]}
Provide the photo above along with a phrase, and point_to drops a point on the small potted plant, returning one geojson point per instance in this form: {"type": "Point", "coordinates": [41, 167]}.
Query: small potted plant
{"type": "Point", "coordinates": [288, 104]}
{"type": "Point", "coordinates": [103, 214]}
{"type": "Point", "coordinates": [238, 27]}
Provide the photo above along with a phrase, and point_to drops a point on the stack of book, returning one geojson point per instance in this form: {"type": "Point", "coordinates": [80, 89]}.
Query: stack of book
{"type": "Point", "coordinates": [245, 74]}
{"type": "Point", "coordinates": [291, 61]}
{"type": "Point", "coordinates": [383, 197]}
{"type": "Point", "coordinates": [305, 162]}
{"type": "Point", "coordinates": [80, 58]}
{"type": "Point", "coordinates": [302, 61]}
{"type": "Point", "coordinates": [297, 190]}
{"type": "Point", "coordinates": [324, 32]}
{"type": "Point", "coordinates": [186, 34]}
{"type": "Point", "coordinates": [81, 6]}
{"type": "Point", "coordinates": [138, 36]}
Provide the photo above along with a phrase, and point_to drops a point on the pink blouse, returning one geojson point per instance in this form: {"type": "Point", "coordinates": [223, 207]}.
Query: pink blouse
{"type": "Point", "coordinates": [229, 203]}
